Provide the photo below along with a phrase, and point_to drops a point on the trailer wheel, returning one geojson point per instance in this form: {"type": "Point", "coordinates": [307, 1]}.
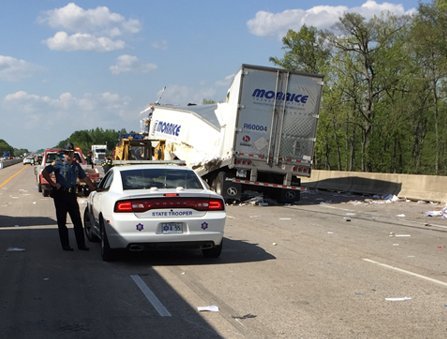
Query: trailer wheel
{"type": "Point", "coordinates": [289, 196]}
{"type": "Point", "coordinates": [229, 190]}
{"type": "Point", "coordinates": [218, 183]}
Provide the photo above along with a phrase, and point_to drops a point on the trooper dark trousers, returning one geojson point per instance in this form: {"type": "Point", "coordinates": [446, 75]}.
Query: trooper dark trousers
{"type": "Point", "coordinates": [66, 202]}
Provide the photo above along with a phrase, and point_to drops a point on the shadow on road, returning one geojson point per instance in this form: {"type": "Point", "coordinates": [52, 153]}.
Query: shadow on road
{"type": "Point", "coordinates": [234, 251]}
{"type": "Point", "coordinates": [7, 221]}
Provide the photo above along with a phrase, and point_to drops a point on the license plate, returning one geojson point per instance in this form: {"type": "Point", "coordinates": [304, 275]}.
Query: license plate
{"type": "Point", "coordinates": [171, 227]}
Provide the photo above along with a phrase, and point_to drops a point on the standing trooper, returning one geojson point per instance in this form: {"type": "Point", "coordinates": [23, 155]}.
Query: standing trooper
{"type": "Point", "coordinates": [67, 171]}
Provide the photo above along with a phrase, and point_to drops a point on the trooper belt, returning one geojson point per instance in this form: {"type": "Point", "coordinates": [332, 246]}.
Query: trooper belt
{"type": "Point", "coordinates": [68, 189]}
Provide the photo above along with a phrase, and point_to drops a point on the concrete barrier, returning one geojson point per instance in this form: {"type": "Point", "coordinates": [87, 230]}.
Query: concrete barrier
{"type": "Point", "coordinates": [410, 186]}
{"type": "Point", "coordinates": [6, 163]}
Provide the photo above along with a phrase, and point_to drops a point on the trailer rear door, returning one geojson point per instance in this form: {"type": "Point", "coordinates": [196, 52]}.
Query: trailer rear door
{"type": "Point", "coordinates": [278, 115]}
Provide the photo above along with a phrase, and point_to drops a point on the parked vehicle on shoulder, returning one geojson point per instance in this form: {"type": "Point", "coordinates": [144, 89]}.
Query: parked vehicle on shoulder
{"type": "Point", "coordinates": [150, 206]}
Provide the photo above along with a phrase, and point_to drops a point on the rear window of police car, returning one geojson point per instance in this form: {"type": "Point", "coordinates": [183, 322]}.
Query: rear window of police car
{"type": "Point", "coordinates": [160, 178]}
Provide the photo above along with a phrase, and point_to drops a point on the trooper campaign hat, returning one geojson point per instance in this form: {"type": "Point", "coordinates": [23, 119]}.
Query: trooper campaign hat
{"type": "Point", "coordinates": [69, 147]}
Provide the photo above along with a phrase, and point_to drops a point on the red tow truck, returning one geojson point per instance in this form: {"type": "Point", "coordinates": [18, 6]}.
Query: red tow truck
{"type": "Point", "coordinates": [95, 173]}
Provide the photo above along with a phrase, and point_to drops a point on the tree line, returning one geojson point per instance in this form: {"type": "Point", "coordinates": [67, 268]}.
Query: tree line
{"type": "Point", "coordinates": [98, 136]}
{"type": "Point", "coordinates": [384, 105]}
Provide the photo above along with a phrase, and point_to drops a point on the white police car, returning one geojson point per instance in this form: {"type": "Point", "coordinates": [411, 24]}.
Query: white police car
{"type": "Point", "coordinates": [142, 207]}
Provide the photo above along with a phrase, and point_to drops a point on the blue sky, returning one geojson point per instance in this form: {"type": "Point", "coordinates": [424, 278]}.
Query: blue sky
{"type": "Point", "coordinates": [67, 66]}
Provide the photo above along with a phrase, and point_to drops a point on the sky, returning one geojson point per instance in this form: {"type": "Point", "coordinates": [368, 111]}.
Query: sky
{"type": "Point", "coordinates": [69, 66]}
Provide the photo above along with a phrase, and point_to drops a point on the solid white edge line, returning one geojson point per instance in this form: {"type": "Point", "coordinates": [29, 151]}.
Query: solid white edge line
{"type": "Point", "coordinates": [150, 296]}
{"type": "Point", "coordinates": [439, 282]}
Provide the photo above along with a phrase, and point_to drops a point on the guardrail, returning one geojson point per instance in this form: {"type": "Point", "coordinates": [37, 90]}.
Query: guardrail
{"type": "Point", "coordinates": [6, 163]}
{"type": "Point", "coordinates": [409, 186]}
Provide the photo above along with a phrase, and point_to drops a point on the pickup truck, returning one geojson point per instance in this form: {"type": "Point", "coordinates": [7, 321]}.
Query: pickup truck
{"type": "Point", "coordinates": [95, 173]}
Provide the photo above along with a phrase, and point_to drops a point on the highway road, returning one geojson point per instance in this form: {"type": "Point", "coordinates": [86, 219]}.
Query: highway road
{"type": "Point", "coordinates": [333, 266]}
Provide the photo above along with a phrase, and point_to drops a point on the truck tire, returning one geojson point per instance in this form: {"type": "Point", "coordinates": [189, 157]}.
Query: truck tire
{"type": "Point", "coordinates": [289, 196]}
{"type": "Point", "coordinates": [218, 183]}
{"type": "Point", "coordinates": [229, 190]}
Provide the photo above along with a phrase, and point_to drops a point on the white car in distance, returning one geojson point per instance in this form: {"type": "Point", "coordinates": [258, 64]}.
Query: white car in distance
{"type": "Point", "coordinates": [143, 207]}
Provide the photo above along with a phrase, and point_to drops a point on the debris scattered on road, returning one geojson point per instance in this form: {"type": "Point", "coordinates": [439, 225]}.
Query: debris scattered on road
{"type": "Point", "coordinates": [245, 316]}
{"type": "Point", "coordinates": [15, 249]}
{"type": "Point", "coordinates": [398, 299]}
{"type": "Point", "coordinates": [284, 219]}
{"type": "Point", "coordinates": [401, 215]}
{"type": "Point", "coordinates": [274, 244]}
{"type": "Point", "coordinates": [211, 308]}
{"type": "Point", "coordinates": [347, 218]}
{"type": "Point", "coordinates": [392, 234]}
{"type": "Point", "coordinates": [442, 213]}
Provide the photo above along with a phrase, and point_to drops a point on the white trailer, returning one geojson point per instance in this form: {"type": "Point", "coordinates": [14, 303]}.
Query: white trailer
{"type": "Point", "coordinates": [99, 153]}
{"type": "Point", "coordinates": [261, 138]}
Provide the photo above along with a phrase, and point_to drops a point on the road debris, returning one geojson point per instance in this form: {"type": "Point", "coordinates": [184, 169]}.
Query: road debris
{"type": "Point", "coordinates": [442, 213]}
{"type": "Point", "coordinates": [211, 308]}
{"type": "Point", "coordinates": [245, 316]}
{"type": "Point", "coordinates": [392, 234]}
{"type": "Point", "coordinates": [398, 299]}
{"type": "Point", "coordinates": [15, 249]}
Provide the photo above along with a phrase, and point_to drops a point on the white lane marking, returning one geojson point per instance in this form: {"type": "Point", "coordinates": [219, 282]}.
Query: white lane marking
{"type": "Point", "coordinates": [40, 227]}
{"type": "Point", "coordinates": [439, 282]}
{"type": "Point", "coordinates": [150, 296]}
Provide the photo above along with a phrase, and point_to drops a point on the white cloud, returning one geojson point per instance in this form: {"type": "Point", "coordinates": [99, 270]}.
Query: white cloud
{"type": "Point", "coordinates": [95, 29]}
{"type": "Point", "coordinates": [130, 63]}
{"type": "Point", "coordinates": [12, 69]}
{"type": "Point", "coordinates": [322, 17]}
{"type": "Point", "coordinates": [52, 119]}
{"type": "Point", "coordinates": [61, 41]}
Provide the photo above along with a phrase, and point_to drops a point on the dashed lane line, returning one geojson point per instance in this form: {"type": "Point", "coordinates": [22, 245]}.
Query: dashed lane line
{"type": "Point", "coordinates": [439, 282]}
{"type": "Point", "coordinates": [150, 296]}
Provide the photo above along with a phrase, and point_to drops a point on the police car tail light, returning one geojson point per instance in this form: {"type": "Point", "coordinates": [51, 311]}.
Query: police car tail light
{"type": "Point", "coordinates": [123, 206]}
{"type": "Point", "coordinates": [143, 205]}
{"type": "Point", "coordinates": [216, 205]}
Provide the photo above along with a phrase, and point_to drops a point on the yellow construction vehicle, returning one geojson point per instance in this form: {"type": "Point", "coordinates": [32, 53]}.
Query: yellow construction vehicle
{"type": "Point", "coordinates": [137, 147]}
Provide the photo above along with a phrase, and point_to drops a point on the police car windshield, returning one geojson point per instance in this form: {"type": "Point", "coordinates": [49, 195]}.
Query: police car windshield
{"type": "Point", "coordinates": [160, 178]}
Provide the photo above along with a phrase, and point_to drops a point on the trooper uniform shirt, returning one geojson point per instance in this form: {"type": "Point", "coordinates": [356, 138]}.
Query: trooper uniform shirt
{"type": "Point", "coordinates": [66, 173]}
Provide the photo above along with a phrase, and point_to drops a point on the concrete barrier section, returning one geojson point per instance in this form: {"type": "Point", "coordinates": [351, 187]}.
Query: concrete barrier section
{"type": "Point", "coordinates": [409, 186]}
{"type": "Point", "coordinates": [6, 163]}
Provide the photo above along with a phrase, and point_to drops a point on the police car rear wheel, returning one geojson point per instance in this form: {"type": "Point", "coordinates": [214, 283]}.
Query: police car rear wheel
{"type": "Point", "coordinates": [88, 227]}
{"type": "Point", "coordinates": [106, 251]}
